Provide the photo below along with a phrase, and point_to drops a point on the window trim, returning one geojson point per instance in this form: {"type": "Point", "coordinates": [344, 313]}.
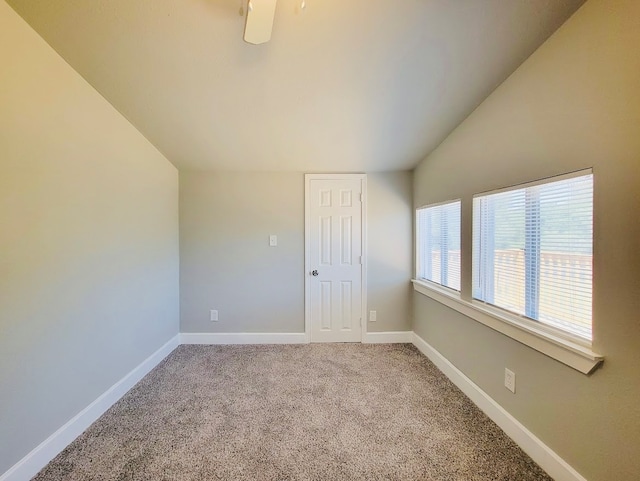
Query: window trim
{"type": "Point", "coordinates": [500, 311]}
{"type": "Point", "coordinates": [569, 349]}
{"type": "Point", "coordinates": [558, 346]}
{"type": "Point", "coordinates": [544, 180]}
{"type": "Point", "coordinates": [418, 266]}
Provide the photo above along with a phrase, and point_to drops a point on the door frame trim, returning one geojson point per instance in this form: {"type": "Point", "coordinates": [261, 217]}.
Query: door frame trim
{"type": "Point", "coordinates": [307, 241]}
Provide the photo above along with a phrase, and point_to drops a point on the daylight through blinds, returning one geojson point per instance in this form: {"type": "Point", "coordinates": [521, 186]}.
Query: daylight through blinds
{"type": "Point", "coordinates": [533, 252]}
{"type": "Point", "coordinates": [439, 244]}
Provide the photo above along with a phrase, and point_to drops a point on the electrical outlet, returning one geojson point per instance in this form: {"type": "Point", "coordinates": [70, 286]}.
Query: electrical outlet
{"type": "Point", "coordinates": [510, 380]}
{"type": "Point", "coordinates": [373, 316]}
{"type": "Point", "coordinates": [214, 315]}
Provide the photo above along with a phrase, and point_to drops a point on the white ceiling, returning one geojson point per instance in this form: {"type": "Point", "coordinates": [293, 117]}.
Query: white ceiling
{"type": "Point", "coordinates": [345, 85]}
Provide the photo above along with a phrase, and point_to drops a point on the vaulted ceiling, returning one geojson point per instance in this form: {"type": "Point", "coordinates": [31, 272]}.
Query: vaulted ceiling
{"type": "Point", "coordinates": [343, 85]}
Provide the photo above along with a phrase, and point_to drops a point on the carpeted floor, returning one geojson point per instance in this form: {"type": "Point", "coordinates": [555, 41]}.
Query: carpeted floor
{"type": "Point", "coordinates": [297, 412]}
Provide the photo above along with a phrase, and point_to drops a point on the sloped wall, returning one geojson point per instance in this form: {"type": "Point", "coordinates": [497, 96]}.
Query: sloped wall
{"type": "Point", "coordinates": [88, 243]}
{"type": "Point", "coordinates": [574, 104]}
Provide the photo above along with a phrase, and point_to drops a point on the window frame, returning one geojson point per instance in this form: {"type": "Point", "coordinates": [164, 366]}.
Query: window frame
{"type": "Point", "coordinates": [418, 265]}
{"type": "Point", "coordinates": [573, 351]}
{"type": "Point", "coordinates": [532, 305]}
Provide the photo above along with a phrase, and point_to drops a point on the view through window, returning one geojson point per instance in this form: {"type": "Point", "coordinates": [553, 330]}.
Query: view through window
{"type": "Point", "coordinates": [533, 252]}
{"type": "Point", "coordinates": [438, 244]}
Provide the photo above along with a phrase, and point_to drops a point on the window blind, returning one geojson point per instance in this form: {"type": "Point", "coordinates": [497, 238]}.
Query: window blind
{"type": "Point", "coordinates": [533, 252]}
{"type": "Point", "coordinates": [438, 244]}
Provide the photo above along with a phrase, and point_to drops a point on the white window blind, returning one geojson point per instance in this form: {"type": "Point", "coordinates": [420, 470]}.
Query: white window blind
{"type": "Point", "coordinates": [438, 244]}
{"type": "Point", "coordinates": [533, 252]}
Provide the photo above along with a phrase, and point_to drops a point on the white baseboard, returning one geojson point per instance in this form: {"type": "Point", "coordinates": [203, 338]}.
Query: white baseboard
{"type": "Point", "coordinates": [243, 338]}
{"type": "Point", "coordinates": [542, 454]}
{"type": "Point", "coordinates": [401, 337]}
{"type": "Point", "coordinates": [283, 338]}
{"type": "Point", "coordinates": [40, 456]}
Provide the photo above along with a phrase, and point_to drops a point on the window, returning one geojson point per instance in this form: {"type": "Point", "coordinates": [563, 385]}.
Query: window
{"type": "Point", "coordinates": [438, 244]}
{"type": "Point", "coordinates": [533, 251]}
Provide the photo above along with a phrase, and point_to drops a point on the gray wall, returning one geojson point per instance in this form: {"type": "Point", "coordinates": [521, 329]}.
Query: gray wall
{"type": "Point", "coordinates": [88, 243]}
{"type": "Point", "coordinates": [574, 104]}
{"type": "Point", "coordinates": [226, 262]}
{"type": "Point", "coordinates": [390, 255]}
{"type": "Point", "coordinates": [225, 259]}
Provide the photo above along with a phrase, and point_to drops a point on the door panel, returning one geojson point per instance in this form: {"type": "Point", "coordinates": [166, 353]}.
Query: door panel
{"type": "Point", "coordinates": [346, 247]}
{"type": "Point", "coordinates": [335, 254]}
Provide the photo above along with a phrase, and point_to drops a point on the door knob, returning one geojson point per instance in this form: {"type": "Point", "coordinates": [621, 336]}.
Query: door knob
{"type": "Point", "coordinates": [314, 273]}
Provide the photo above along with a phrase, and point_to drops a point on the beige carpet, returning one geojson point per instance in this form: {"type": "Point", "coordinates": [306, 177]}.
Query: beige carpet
{"type": "Point", "coordinates": [303, 412]}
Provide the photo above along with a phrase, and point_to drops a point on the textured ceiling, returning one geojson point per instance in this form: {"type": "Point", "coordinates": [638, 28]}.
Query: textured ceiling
{"type": "Point", "coordinates": [344, 85]}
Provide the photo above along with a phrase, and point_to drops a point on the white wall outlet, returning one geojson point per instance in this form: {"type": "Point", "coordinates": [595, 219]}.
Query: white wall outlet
{"type": "Point", "coordinates": [510, 380]}
{"type": "Point", "coordinates": [373, 316]}
{"type": "Point", "coordinates": [214, 315]}
{"type": "Point", "coordinates": [273, 240]}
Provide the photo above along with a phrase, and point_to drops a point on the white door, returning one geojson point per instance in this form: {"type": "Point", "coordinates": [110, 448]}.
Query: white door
{"type": "Point", "coordinates": [335, 270]}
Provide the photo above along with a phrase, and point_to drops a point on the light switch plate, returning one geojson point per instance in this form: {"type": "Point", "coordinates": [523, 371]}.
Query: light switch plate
{"type": "Point", "coordinates": [273, 240]}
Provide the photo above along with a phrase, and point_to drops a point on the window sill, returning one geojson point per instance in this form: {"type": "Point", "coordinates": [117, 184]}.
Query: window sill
{"type": "Point", "coordinates": [567, 351]}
